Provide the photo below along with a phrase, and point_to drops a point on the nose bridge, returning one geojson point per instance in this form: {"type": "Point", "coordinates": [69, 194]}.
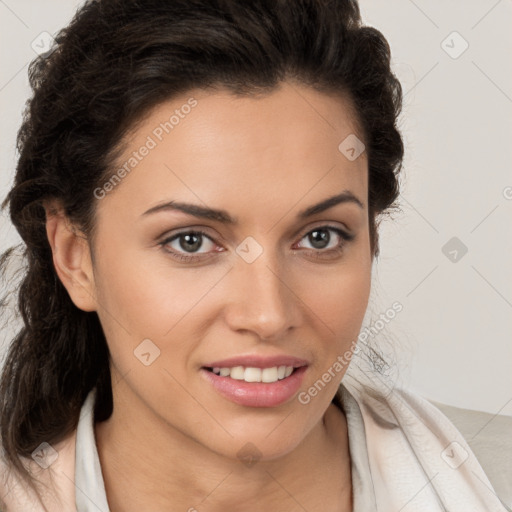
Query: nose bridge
{"type": "Point", "coordinates": [262, 300]}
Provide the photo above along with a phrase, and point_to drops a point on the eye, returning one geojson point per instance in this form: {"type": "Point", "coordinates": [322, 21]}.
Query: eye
{"type": "Point", "coordinates": [188, 241]}
{"type": "Point", "coordinates": [323, 243]}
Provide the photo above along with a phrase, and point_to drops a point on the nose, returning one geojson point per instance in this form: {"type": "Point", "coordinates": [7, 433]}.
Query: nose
{"type": "Point", "coordinates": [261, 299]}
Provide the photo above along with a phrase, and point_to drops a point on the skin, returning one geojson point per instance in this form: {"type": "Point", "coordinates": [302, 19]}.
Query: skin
{"type": "Point", "coordinates": [172, 440]}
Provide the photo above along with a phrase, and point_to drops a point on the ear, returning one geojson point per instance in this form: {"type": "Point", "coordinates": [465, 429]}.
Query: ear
{"type": "Point", "coordinates": [71, 257]}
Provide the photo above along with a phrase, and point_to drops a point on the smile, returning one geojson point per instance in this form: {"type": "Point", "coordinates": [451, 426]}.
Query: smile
{"type": "Point", "coordinates": [246, 385]}
{"type": "Point", "coordinates": [250, 374]}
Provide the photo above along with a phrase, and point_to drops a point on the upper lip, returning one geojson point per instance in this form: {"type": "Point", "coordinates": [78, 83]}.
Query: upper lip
{"type": "Point", "coordinates": [258, 361]}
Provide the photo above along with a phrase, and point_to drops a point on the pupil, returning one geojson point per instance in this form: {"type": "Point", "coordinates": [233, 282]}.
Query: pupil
{"type": "Point", "coordinates": [319, 238]}
{"type": "Point", "coordinates": [191, 245]}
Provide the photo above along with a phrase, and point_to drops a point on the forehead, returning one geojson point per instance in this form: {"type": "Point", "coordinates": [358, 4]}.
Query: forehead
{"type": "Point", "coordinates": [220, 149]}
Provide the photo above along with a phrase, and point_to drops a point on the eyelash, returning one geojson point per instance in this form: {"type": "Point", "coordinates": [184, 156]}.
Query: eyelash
{"type": "Point", "coordinates": [345, 238]}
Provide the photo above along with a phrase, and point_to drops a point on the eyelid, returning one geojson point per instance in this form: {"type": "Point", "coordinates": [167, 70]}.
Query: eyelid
{"type": "Point", "coordinates": [189, 229]}
{"type": "Point", "coordinates": [326, 225]}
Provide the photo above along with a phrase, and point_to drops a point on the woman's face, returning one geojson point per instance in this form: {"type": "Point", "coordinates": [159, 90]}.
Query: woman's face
{"type": "Point", "coordinates": [272, 287]}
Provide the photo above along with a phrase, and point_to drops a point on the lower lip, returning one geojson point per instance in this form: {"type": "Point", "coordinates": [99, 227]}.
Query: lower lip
{"type": "Point", "coordinates": [257, 394]}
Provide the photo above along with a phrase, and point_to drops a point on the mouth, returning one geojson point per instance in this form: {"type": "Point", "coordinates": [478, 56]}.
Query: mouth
{"type": "Point", "coordinates": [251, 386]}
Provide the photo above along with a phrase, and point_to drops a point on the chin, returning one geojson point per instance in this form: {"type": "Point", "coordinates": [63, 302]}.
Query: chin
{"type": "Point", "coordinates": [263, 443]}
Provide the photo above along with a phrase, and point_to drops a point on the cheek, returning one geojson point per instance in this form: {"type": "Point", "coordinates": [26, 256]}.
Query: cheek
{"type": "Point", "coordinates": [150, 298]}
{"type": "Point", "coordinates": [144, 292]}
{"type": "Point", "coordinates": [339, 295]}
{"type": "Point", "coordinates": [341, 305]}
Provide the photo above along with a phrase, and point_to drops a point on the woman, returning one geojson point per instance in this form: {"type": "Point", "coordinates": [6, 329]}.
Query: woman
{"type": "Point", "coordinates": [199, 188]}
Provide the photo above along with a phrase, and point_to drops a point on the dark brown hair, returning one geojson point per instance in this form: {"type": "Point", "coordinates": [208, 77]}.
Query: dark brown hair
{"type": "Point", "coordinates": [115, 61]}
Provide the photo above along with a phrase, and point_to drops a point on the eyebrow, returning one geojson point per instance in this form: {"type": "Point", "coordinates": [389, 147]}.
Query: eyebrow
{"type": "Point", "coordinates": [223, 216]}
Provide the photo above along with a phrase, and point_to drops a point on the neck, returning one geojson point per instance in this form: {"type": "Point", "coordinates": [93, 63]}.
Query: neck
{"type": "Point", "coordinates": [168, 470]}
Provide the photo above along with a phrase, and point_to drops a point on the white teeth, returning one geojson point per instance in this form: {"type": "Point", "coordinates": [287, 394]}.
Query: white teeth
{"type": "Point", "coordinates": [250, 374]}
{"type": "Point", "coordinates": [269, 374]}
{"type": "Point", "coordinates": [237, 373]}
